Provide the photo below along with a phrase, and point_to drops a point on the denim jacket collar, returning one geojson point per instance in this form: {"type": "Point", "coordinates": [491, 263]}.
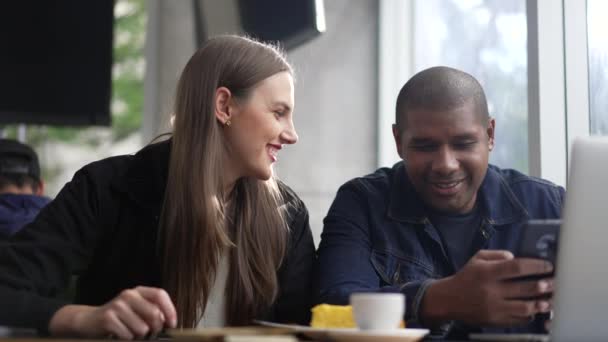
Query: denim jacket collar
{"type": "Point", "coordinates": [498, 204]}
{"type": "Point", "coordinates": [404, 204]}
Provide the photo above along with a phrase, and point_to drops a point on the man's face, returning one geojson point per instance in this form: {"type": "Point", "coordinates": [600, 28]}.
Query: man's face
{"type": "Point", "coordinates": [446, 154]}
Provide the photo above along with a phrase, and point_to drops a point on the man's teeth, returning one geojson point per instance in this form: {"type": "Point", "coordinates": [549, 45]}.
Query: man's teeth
{"type": "Point", "coordinates": [446, 185]}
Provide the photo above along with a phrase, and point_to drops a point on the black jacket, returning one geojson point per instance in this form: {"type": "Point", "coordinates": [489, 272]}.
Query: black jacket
{"type": "Point", "coordinates": [103, 226]}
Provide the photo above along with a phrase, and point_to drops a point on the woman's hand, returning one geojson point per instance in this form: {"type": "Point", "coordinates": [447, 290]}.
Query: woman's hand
{"type": "Point", "coordinates": [135, 313]}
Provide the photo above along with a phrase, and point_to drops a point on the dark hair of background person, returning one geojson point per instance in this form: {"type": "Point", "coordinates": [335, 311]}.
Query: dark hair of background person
{"type": "Point", "coordinates": [19, 181]}
{"type": "Point", "coordinates": [19, 165]}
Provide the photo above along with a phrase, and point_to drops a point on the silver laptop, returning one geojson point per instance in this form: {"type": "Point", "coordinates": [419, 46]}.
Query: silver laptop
{"type": "Point", "coordinates": [581, 284]}
{"type": "Point", "coordinates": [581, 294]}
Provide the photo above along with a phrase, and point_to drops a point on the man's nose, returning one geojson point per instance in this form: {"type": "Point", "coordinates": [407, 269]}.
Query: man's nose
{"type": "Point", "coordinates": [445, 161]}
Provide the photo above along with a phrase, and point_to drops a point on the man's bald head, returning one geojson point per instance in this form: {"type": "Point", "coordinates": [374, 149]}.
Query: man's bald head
{"type": "Point", "coordinates": [440, 89]}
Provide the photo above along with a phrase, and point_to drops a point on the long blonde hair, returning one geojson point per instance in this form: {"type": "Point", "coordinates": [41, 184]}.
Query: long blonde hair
{"type": "Point", "coordinates": [196, 224]}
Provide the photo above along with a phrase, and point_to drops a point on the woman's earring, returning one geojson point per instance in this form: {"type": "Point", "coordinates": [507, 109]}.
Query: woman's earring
{"type": "Point", "coordinates": [228, 123]}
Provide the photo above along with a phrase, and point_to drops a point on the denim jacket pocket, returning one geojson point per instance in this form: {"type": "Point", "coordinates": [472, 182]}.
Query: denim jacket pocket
{"type": "Point", "coordinates": [398, 270]}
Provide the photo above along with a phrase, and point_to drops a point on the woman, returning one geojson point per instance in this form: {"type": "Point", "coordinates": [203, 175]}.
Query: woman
{"type": "Point", "coordinates": [190, 232]}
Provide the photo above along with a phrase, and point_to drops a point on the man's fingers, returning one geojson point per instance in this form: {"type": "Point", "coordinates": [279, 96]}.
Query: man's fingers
{"type": "Point", "coordinates": [493, 255]}
{"type": "Point", "coordinates": [527, 289]}
{"type": "Point", "coordinates": [521, 267]}
{"type": "Point", "coordinates": [526, 308]}
{"type": "Point", "coordinates": [517, 321]}
{"type": "Point", "coordinates": [521, 309]}
{"type": "Point", "coordinates": [161, 299]}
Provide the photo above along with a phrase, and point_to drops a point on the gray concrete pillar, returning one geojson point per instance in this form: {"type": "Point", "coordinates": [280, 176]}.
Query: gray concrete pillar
{"type": "Point", "coordinates": [170, 41]}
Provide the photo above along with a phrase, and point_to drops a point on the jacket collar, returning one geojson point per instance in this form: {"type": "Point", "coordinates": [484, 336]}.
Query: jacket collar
{"type": "Point", "coordinates": [498, 204]}
{"type": "Point", "coordinates": [146, 176]}
{"type": "Point", "coordinates": [404, 203]}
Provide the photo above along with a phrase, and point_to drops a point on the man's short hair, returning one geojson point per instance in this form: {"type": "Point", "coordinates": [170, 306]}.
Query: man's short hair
{"type": "Point", "coordinates": [439, 89]}
{"type": "Point", "coordinates": [19, 165]}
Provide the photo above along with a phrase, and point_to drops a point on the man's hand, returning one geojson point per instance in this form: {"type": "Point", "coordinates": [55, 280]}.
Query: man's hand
{"type": "Point", "coordinates": [481, 293]}
{"type": "Point", "coordinates": [134, 313]}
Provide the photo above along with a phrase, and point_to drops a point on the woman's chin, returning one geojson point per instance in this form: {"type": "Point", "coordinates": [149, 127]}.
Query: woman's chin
{"type": "Point", "coordinates": [263, 175]}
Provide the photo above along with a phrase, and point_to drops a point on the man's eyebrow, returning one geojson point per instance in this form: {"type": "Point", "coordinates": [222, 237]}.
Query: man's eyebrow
{"type": "Point", "coordinates": [426, 141]}
{"type": "Point", "coordinates": [421, 141]}
{"type": "Point", "coordinates": [466, 136]}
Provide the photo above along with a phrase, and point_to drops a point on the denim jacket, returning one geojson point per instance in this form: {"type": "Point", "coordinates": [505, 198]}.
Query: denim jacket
{"type": "Point", "coordinates": [378, 237]}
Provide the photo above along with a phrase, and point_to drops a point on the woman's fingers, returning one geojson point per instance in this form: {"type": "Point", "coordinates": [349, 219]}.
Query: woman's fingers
{"type": "Point", "coordinates": [138, 315]}
{"type": "Point", "coordinates": [142, 309]}
{"type": "Point", "coordinates": [137, 312]}
{"type": "Point", "coordinates": [113, 325]}
{"type": "Point", "coordinates": [161, 299]}
{"type": "Point", "coordinates": [134, 313]}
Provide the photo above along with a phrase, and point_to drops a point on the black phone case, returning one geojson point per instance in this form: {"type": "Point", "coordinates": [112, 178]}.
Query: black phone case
{"type": "Point", "coordinates": [539, 239]}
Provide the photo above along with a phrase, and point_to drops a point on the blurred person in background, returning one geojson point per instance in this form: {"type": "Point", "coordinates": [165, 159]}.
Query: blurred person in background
{"type": "Point", "coordinates": [21, 187]}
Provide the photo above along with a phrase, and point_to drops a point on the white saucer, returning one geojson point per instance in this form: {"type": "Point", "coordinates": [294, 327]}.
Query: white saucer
{"type": "Point", "coordinates": [354, 334]}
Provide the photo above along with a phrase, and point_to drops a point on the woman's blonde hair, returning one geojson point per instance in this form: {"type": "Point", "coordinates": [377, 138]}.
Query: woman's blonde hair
{"type": "Point", "coordinates": [196, 224]}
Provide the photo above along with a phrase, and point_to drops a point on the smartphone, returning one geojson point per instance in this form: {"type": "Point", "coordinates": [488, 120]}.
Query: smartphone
{"type": "Point", "coordinates": [539, 240]}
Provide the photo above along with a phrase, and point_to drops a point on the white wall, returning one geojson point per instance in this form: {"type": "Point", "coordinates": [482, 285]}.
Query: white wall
{"type": "Point", "coordinates": [336, 104]}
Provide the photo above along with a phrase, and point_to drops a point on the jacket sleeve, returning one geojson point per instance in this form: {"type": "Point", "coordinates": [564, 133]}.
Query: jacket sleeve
{"type": "Point", "coordinates": [295, 276]}
{"type": "Point", "coordinates": [37, 262]}
{"type": "Point", "coordinates": [344, 263]}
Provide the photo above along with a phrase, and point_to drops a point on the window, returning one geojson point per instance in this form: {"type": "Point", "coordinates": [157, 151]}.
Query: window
{"type": "Point", "coordinates": [543, 88]}
{"type": "Point", "coordinates": [598, 66]}
{"type": "Point", "coordinates": [488, 40]}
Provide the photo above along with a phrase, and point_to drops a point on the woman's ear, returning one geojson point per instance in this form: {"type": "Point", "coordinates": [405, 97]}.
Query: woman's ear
{"type": "Point", "coordinates": [222, 105]}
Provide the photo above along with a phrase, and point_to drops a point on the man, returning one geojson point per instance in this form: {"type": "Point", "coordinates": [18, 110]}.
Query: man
{"type": "Point", "coordinates": [441, 226]}
{"type": "Point", "coordinates": [21, 189]}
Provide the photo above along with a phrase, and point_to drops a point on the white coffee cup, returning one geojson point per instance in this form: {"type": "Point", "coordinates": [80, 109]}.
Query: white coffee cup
{"type": "Point", "coordinates": [378, 311]}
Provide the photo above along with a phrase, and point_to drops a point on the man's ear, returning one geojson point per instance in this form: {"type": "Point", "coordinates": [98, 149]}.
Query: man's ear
{"type": "Point", "coordinates": [397, 137]}
{"type": "Point", "coordinates": [40, 190]}
{"type": "Point", "coordinates": [491, 130]}
{"type": "Point", "coordinates": [222, 104]}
